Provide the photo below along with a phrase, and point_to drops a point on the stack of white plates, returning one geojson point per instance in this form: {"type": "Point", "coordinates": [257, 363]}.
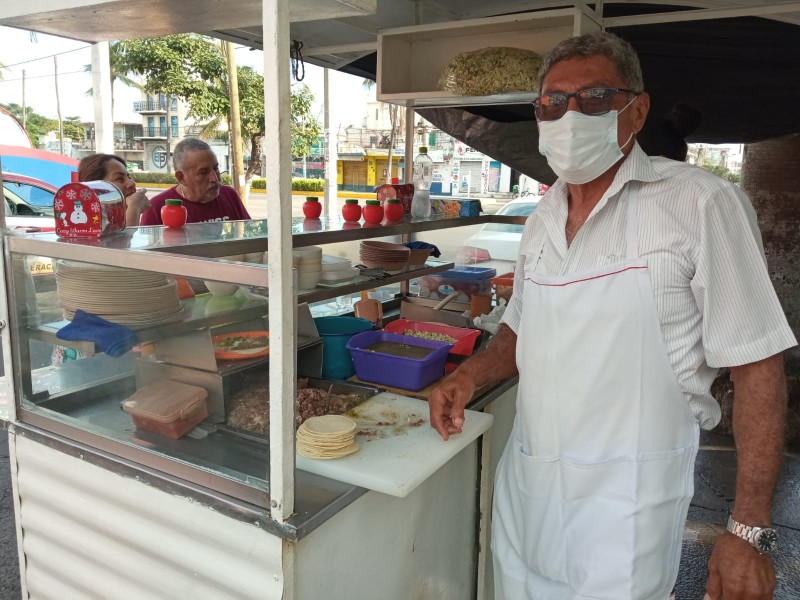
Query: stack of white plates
{"type": "Point", "coordinates": [392, 257]}
{"type": "Point", "coordinates": [125, 296]}
{"type": "Point", "coordinates": [337, 270]}
{"type": "Point", "coordinates": [308, 262]}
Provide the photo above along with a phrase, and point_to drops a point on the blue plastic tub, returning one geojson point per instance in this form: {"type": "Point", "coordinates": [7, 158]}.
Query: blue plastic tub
{"type": "Point", "coordinates": [335, 332]}
{"type": "Point", "coordinates": [397, 371]}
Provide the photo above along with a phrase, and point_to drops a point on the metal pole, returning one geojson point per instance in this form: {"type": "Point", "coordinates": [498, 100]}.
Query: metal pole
{"type": "Point", "coordinates": [282, 305]}
{"type": "Point", "coordinates": [408, 168]}
{"type": "Point", "coordinates": [331, 152]}
{"type": "Point", "coordinates": [58, 108]}
{"type": "Point", "coordinates": [24, 105]}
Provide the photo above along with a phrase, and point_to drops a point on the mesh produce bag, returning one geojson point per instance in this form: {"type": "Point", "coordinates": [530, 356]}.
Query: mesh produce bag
{"type": "Point", "coordinates": [488, 71]}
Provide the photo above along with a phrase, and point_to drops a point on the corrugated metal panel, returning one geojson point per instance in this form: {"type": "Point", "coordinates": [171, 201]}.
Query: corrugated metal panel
{"type": "Point", "coordinates": [88, 533]}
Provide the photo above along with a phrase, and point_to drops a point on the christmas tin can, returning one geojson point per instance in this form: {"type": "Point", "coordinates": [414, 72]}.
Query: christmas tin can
{"type": "Point", "coordinates": [89, 209]}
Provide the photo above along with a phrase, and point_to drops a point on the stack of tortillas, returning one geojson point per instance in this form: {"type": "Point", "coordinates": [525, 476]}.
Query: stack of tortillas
{"type": "Point", "coordinates": [329, 436]}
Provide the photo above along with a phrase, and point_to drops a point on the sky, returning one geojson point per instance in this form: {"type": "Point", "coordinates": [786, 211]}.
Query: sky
{"type": "Point", "coordinates": [17, 51]}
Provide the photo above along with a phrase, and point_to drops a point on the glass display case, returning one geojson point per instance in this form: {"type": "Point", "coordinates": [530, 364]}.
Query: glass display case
{"type": "Point", "coordinates": [179, 295]}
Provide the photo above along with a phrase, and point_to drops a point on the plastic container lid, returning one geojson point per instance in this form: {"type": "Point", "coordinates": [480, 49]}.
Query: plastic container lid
{"type": "Point", "coordinates": [374, 202]}
{"type": "Point", "coordinates": [471, 273]}
{"type": "Point", "coordinates": [174, 202]}
{"type": "Point", "coordinates": [351, 201]}
{"type": "Point", "coordinates": [165, 401]}
{"type": "Point", "coordinates": [393, 201]}
{"type": "Point", "coordinates": [312, 199]}
{"type": "Point", "coordinates": [423, 149]}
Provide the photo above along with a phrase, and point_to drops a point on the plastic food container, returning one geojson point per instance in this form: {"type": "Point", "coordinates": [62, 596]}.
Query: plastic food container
{"type": "Point", "coordinates": [397, 371]}
{"type": "Point", "coordinates": [503, 286]}
{"type": "Point", "coordinates": [463, 346]}
{"type": "Point", "coordinates": [466, 281]}
{"type": "Point", "coordinates": [167, 407]}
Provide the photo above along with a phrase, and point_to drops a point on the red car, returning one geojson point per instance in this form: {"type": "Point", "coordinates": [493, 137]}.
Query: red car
{"type": "Point", "coordinates": [28, 203]}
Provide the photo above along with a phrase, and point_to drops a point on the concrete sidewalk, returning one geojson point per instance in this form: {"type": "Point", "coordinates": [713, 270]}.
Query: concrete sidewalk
{"type": "Point", "coordinates": [714, 496]}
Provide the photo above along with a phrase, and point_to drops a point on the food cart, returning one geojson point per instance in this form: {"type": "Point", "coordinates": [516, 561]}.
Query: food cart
{"type": "Point", "coordinates": [105, 509]}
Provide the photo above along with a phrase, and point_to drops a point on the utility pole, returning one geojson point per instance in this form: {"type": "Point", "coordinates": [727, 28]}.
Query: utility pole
{"type": "Point", "coordinates": [235, 121]}
{"type": "Point", "coordinates": [58, 109]}
{"type": "Point", "coordinates": [24, 105]}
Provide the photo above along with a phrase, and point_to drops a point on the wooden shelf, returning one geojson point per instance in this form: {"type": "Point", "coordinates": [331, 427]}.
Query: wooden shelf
{"type": "Point", "coordinates": [412, 59]}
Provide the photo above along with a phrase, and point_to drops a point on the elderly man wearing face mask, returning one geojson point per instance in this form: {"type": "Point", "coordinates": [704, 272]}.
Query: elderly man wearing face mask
{"type": "Point", "coordinates": [637, 279]}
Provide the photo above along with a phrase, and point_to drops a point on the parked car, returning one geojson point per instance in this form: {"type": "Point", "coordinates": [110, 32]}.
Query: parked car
{"type": "Point", "coordinates": [29, 207]}
{"type": "Point", "coordinates": [27, 196]}
{"type": "Point", "coordinates": [501, 240]}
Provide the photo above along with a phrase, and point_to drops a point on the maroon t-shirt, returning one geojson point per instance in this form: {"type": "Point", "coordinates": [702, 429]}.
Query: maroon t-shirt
{"type": "Point", "coordinates": [225, 207]}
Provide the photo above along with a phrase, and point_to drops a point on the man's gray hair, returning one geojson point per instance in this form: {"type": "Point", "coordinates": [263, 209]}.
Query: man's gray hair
{"type": "Point", "coordinates": [601, 43]}
{"type": "Point", "coordinates": [184, 147]}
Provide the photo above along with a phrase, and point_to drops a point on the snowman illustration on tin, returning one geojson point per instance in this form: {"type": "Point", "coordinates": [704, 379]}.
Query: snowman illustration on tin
{"type": "Point", "coordinates": [78, 216]}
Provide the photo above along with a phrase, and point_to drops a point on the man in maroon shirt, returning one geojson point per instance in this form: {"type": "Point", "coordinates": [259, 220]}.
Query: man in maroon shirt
{"type": "Point", "coordinates": [199, 186]}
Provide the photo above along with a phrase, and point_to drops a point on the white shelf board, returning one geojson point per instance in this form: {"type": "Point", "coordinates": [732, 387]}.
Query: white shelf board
{"type": "Point", "coordinates": [412, 59]}
{"type": "Point", "coordinates": [104, 20]}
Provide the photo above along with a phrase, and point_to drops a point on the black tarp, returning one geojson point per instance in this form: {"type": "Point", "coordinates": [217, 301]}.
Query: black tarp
{"type": "Point", "coordinates": [742, 74]}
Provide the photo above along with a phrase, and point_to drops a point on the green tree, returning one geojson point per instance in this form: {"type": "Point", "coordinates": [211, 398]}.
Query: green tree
{"type": "Point", "coordinates": [722, 171]}
{"type": "Point", "coordinates": [37, 124]}
{"type": "Point", "coordinates": [73, 129]}
{"type": "Point", "coordinates": [119, 70]}
{"type": "Point", "coordinates": [192, 67]}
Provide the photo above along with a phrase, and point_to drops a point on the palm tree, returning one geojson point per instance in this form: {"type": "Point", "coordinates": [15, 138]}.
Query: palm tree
{"type": "Point", "coordinates": [118, 68]}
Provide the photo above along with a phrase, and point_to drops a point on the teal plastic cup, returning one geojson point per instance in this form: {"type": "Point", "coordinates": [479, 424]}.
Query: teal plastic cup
{"type": "Point", "coordinates": [335, 332]}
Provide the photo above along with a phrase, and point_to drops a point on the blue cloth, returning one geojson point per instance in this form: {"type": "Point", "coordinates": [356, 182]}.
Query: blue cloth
{"type": "Point", "coordinates": [435, 253]}
{"type": "Point", "coordinates": [113, 339]}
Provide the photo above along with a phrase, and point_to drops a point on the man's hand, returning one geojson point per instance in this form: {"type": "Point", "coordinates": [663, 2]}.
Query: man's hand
{"type": "Point", "coordinates": [447, 403]}
{"type": "Point", "coordinates": [736, 571]}
{"type": "Point", "coordinates": [448, 399]}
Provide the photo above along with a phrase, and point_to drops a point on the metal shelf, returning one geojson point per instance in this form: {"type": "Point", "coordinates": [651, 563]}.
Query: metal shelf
{"type": "Point", "coordinates": [363, 283]}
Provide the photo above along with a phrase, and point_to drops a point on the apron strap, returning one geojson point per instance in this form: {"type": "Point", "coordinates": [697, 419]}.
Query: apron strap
{"type": "Point", "coordinates": [632, 221]}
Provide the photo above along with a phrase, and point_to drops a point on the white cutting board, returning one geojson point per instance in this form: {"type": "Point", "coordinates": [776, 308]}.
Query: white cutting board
{"type": "Point", "coordinates": [398, 455]}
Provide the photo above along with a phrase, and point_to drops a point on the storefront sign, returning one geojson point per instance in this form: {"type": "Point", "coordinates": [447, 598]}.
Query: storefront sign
{"type": "Point", "coordinates": [159, 157]}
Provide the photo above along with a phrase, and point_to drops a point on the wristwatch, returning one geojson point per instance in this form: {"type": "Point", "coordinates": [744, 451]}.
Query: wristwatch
{"type": "Point", "coordinates": [763, 539]}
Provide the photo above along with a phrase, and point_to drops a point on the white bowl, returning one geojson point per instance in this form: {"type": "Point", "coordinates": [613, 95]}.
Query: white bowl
{"type": "Point", "coordinates": [307, 281]}
{"type": "Point", "coordinates": [220, 288]}
{"type": "Point", "coordinates": [309, 269]}
{"type": "Point", "coordinates": [340, 275]}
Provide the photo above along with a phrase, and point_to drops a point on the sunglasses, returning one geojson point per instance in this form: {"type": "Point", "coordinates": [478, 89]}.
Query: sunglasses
{"type": "Point", "coordinates": [591, 101]}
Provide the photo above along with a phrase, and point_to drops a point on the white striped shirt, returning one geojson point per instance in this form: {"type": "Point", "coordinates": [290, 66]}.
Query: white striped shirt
{"type": "Point", "coordinates": [698, 232]}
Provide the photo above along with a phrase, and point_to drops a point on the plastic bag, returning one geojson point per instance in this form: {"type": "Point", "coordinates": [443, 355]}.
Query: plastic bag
{"type": "Point", "coordinates": [495, 70]}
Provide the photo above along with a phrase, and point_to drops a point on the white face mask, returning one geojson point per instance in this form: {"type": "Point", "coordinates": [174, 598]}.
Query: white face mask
{"type": "Point", "coordinates": [578, 147]}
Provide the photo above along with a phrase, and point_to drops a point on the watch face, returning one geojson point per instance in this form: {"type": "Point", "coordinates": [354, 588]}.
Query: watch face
{"type": "Point", "coordinates": [766, 541]}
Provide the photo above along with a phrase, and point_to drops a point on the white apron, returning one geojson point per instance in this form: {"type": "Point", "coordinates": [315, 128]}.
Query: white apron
{"type": "Point", "coordinates": [594, 484]}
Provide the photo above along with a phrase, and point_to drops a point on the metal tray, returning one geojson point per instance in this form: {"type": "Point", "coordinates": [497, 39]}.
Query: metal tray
{"type": "Point", "coordinates": [336, 386]}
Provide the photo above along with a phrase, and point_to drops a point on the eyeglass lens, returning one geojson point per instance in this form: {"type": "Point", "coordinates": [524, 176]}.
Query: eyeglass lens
{"type": "Point", "coordinates": [592, 101]}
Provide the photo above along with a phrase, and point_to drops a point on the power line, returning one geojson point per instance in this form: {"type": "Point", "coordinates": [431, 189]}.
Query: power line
{"type": "Point", "coordinates": [24, 62]}
{"type": "Point", "coordinates": [40, 76]}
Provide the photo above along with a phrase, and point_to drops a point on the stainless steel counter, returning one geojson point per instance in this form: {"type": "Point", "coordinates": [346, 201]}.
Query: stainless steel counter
{"type": "Point", "coordinates": [317, 499]}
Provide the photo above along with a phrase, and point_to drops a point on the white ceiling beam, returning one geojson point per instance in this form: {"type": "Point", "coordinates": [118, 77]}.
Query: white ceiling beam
{"type": "Point", "coordinates": [360, 24]}
{"type": "Point", "coordinates": [703, 14]}
{"type": "Point", "coordinates": [365, 47]}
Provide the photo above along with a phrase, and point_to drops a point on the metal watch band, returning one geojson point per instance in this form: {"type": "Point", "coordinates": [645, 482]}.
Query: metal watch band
{"type": "Point", "coordinates": [747, 533]}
